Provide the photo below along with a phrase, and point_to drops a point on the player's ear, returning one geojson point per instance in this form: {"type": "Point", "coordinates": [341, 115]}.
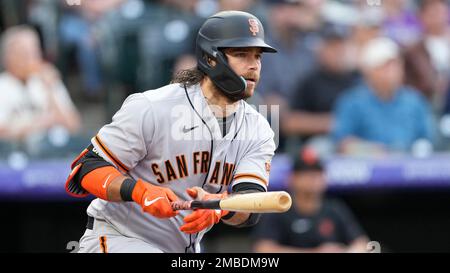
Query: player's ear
{"type": "Point", "coordinates": [210, 60]}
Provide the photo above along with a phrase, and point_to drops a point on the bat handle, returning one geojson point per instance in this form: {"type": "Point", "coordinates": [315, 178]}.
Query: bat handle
{"type": "Point", "coordinates": [190, 205]}
{"type": "Point", "coordinates": [181, 205]}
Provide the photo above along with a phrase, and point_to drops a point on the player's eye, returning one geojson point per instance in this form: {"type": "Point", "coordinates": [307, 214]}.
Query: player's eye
{"type": "Point", "coordinates": [240, 54]}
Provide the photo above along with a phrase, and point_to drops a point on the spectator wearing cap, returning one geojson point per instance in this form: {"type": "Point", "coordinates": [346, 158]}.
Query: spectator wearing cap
{"type": "Point", "coordinates": [313, 101]}
{"type": "Point", "coordinates": [381, 114]}
{"type": "Point", "coordinates": [368, 26]}
{"type": "Point", "coordinates": [314, 223]}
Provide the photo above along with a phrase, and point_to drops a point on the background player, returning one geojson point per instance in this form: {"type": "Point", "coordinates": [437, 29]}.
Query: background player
{"type": "Point", "coordinates": [315, 223]}
{"type": "Point", "coordinates": [161, 144]}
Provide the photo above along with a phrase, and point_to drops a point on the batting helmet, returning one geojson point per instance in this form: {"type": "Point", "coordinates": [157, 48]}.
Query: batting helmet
{"type": "Point", "coordinates": [224, 30]}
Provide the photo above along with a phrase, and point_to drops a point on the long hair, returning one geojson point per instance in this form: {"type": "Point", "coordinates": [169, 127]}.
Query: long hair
{"type": "Point", "coordinates": [188, 77]}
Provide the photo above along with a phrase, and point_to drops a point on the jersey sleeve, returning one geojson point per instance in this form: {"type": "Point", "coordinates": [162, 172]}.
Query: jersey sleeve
{"type": "Point", "coordinates": [124, 141]}
{"type": "Point", "coordinates": [254, 167]}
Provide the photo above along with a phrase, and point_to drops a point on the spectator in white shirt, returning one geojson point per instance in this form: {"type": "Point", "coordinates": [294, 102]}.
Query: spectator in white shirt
{"type": "Point", "coordinates": [33, 98]}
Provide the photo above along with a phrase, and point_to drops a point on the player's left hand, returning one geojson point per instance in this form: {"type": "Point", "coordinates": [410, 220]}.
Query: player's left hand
{"type": "Point", "coordinates": [201, 219]}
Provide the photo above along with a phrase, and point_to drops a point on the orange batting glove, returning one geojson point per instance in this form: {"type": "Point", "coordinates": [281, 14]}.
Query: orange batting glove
{"type": "Point", "coordinates": [154, 200]}
{"type": "Point", "coordinates": [201, 219]}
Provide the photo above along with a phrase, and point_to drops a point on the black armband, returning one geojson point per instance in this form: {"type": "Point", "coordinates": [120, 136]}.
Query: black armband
{"type": "Point", "coordinates": [229, 215]}
{"type": "Point", "coordinates": [252, 220]}
{"type": "Point", "coordinates": [247, 187]}
{"type": "Point", "coordinates": [87, 161]}
{"type": "Point", "coordinates": [126, 189]}
{"type": "Point", "coordinates": [242, 188]}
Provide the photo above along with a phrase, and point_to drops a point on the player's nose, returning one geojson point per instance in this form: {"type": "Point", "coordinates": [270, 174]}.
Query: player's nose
{"type": "Point", "coordinates": [254, 64]}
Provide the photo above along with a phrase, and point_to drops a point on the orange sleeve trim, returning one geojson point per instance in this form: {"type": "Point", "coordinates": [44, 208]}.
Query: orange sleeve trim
{"type": "Point", "coordinates": [103, 245]}
{"type": "Point", "coordinates": [249, 175]}
{"type": "Point", "coordinates": [111, 155]}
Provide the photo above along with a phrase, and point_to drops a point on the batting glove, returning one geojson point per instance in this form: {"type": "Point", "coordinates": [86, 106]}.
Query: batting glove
{"type": "Point", "coordinates": [154, 200]}
{"type": "Point", "coordinates": [201, 219]}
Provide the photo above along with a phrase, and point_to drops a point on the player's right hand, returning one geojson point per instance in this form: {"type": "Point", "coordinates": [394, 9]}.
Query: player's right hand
{"type": "Point", "coordinates": [154, 200]}
{"type": "Point", "coordinates": [201, 219]}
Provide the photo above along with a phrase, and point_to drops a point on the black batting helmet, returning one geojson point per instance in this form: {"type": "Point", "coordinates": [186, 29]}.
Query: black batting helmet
{"type": "Point", "coordinates": [224, 30]}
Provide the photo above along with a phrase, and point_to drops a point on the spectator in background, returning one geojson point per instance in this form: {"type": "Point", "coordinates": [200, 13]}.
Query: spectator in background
{"type": "Point", "coordinates": [447, 102]}
{"type": "Point", "coordinates": [184, 62]}
{"type": "Point", "coordinates": [243, 5]}
{"type": "Point", "coordinates": [170, 33]}
{"type": "Point", "coordinates": [33, 98]}
{"type": "Point", "coordinates": [381, 114]}
{"type": "Point", "coordinates": [286, 29]}
{"type": "Point", "coordinates": [401, 23]}
{"type": "Point", "coordinates": [313, 223]}
{"type": "Point", "coordinates": [313, 101]}
{"type": "Point", "coordinates": [77, 30]}
{"type": "Point", "coordinates": [368, 26]}
{"type": "Point", "coordinates": [428, 61]}
{"type": "Point", "coordinates": [290, 26]}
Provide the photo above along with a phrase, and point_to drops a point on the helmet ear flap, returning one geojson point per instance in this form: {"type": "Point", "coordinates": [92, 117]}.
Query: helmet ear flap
{"type": "Point", "coordinates": [227, 80]}
{"type": "Point", "coordinates": [208, 60]}
{"type": "Point", "coordinates": [231, 84]}
{"type": "Point", "coordinates": [211, 62]}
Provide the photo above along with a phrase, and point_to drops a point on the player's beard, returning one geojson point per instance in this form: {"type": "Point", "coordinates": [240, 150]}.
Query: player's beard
{"type": "Point", "coordinates": [250, 90]}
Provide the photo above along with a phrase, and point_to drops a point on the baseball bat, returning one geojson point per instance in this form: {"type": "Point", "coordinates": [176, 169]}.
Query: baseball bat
{"type": "Point", "coordinates": [260, 202]}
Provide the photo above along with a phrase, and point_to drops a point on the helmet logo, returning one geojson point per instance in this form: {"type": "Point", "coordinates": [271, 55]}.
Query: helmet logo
{"type": "Point", "coordinates": [254, 26]}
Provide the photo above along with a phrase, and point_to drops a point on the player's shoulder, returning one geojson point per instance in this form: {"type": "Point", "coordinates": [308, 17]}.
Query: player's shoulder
{"type": "Point", "coordinates": [412, 95]}
{"type": "Point", "coordinates": [7, 79]}
{"type": "Point", "coordinates": [10, 83]}
{"type": "Point", "coordinates": [4, 82]}
{"type": "Point", "coordinates": [158, 100]}
{"type": "Point", "coordinates": [167, 93]}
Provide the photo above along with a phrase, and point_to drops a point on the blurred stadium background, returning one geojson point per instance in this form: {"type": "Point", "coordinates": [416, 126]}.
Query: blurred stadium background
{"type": "Point", "coordinates": [105, 50]}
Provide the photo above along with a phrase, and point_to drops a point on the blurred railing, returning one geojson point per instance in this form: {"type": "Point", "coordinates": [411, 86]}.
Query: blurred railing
{"type": "Point", "coordinates": [43, 180]}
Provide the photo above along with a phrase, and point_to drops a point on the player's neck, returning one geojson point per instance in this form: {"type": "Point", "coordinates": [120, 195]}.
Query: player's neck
{"type": "Point", "coordinates": [220, 105]}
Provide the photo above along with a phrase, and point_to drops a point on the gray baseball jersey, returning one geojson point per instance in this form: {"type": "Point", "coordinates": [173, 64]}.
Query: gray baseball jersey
{"type": "Point", "coordinates": [169, 137]}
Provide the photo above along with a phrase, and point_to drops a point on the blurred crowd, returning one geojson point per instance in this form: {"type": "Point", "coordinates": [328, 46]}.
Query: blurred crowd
{"type": "Point", "coordinates": [352, 76]}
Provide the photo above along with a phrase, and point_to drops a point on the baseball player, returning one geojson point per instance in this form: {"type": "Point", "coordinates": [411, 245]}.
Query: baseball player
{"type": "Point", "coordinates": [195, 138]}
